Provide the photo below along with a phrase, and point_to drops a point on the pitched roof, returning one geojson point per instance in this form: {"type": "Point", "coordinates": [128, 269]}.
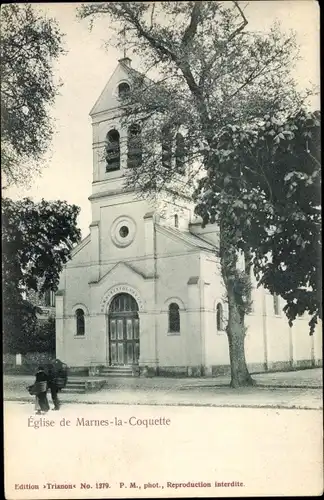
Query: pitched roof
{"type": "Point", "coordinates": [187, 237]}
{"type": "Point", "coordinates": [80, 245]}
{"type": "Point", "coordinates": [123, 70]}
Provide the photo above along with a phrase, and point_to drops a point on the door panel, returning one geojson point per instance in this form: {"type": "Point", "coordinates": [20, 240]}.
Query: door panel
{"type": "Point", "coordinates": [120, 353]}
{"type": "Point", "coordinates": [113, 353]}
{"type": "Point", "coordinates": [112, 329]}
{"type": "Point", "coordinates": [120, 329]}
{"type": "Point", "coordinates": [130, 349]}
{"type": "Point", "coordinates": [129, 328]}
{"type": "Point", "coordinates": [136, 352]}
{"type": "Point", "coordinates": [136, 328]}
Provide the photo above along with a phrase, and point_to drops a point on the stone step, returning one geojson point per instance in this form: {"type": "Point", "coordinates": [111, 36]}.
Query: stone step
{"type": "Point", "coordinates": [82, 386]}
{"type": "Point", "coordinates": [73, 390]}
{"type": "Point", "coordinates": [117, 374]}
{"type": "Point", "coordinates": [117, 371]}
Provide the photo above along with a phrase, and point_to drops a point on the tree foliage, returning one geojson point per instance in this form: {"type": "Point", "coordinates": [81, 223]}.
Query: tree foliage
{"type": "Point", "coordinates": [207, 71]}
{"type": "Point", "coordinates": [37, 241]}
{"type": "Point", "coordinates": [208, 76]}
{"type": "Point", "coordinates": [29, 44]}
{"type": "Point", "coordinates": [267, 181]}
{"type": "Point", "coordinates": [31, 335]}
{"type": "Point", "coordinates": [44, 338]}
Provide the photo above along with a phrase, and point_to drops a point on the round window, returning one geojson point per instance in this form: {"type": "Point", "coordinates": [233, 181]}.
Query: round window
{"type": "Point", "coordinates": [124, 231]}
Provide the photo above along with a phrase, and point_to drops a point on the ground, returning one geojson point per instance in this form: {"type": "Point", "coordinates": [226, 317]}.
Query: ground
{"type": "Point", "coordinates": [296, 389]}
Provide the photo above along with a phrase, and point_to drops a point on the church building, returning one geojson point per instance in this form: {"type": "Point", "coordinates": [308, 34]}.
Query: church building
{"type": "Point", "coordinates": [143, 291]}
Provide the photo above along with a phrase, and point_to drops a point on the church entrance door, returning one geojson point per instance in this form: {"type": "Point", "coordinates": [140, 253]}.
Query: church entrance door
{"type": "Point", "coordinates": [123, 330]}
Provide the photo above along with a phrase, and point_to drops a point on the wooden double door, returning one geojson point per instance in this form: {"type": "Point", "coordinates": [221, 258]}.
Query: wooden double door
{"type": "Point", "coordinates": [124, 348]}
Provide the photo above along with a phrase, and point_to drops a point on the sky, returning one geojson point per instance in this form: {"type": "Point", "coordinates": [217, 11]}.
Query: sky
{"type": "Point", "coordinates": [85, 70]}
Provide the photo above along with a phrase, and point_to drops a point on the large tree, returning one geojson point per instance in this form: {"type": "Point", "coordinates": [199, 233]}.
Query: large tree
{"type": "Point", "coordinates": [30, 44]}
{"type": "Point", "coordinates": [210, 72]}
{"type": "Point", "coordinates": [267, 180]}
{"type": "Point", "coordinates": [37, 241]}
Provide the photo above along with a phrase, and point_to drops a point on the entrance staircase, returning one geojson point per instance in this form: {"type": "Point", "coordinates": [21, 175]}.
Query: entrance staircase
{"type": "Point", "coordinates": [75, 386]}
{"type": "Point", "coordinates": [119, 371]}
{"type": "Point", "coordinates": [82, 386]}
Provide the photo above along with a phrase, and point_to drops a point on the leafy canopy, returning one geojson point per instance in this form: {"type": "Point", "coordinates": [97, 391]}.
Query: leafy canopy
{"type": "Point", "coordinates": [265, 181]}
{"type": "Point", "coordinates": [37, 241]}
{"type": "Point", "coordinates": [30, 44]}
{"type": "Point", "coordinates": [204, 69]}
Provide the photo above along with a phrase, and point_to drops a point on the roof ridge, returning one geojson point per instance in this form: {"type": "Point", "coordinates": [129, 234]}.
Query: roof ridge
{"type": "Point", "coordinates": [187, 235]}
{"type": "Point", "coordinates": [80, 245]}
{"type": "Point", "coordinates": [135, 71]}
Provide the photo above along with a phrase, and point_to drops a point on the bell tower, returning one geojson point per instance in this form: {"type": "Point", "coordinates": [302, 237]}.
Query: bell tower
{"type": "Point", "coordinates": [118, 225]}
{"type": "Point", "coordinates": [119, 216]}
{"type": "Point", "coordinates": [109, 141]}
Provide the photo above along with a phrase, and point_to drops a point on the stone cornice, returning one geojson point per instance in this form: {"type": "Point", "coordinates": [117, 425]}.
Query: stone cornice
{"type": "Point", "coordinates": [114, 192]}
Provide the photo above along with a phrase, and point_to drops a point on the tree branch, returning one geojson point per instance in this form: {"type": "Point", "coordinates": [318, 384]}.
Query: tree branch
{"type": "Point", "coordinates": [192, 28]}
{"type": "Point", "coordinates": [182, 64]}
{"type": "Point", "coordinates": [242, 26]}
{"type": "Point", "coordinates": [152, 16]}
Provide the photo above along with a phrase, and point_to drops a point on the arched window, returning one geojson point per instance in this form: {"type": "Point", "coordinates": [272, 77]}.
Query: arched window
{"type": "Point", "coordinates": [49, 298]}
{"type": "Point", "coordinates": [180, 153]}
{"type": "Point", "coordinates": [219, 317]}
{"type": "Point", "coordinates": [276, 307]}
{"type": "Point", "coordinates": [166, 147]}
{"type": "Point", "coordinates": [112, 151]}
{"type": "Point", "coordinates": [123, 90]}
{"type": "Point", "coordinates": [123, 302]}
{"type": "Point", "coordinates": [79, 316]}
{"type": "Point", "coordinates": [134, 145]}
{"type": "Point", "coordinates": [176, 220]}
{"type": "Point", "coordinates": [174, 318]}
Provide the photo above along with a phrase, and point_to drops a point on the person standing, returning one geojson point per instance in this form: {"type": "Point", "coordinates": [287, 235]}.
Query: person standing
{"type": "Point", "coordinates": [57, 379]}
{"type": "Point", "coordinates": [40, 387]}
{"type": "Point", "coordinates": [52, 385]}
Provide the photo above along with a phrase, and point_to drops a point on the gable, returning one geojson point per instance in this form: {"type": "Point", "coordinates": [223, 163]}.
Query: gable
{"type": "Point", "coordinates": [122, 271]}
{"type": "Point", "coordinates": [108, 98]}
{"type": "Point", "coordinates": [81, 253]}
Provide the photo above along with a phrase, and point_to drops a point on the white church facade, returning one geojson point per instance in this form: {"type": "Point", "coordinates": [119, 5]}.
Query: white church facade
{"type": "Point", "coordinates": [143, 289]}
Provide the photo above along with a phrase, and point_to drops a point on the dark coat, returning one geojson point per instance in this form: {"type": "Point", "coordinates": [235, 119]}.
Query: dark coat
{"type": "Point", "coordinates": [41, 376]}
{"type": "Point", "coordinates": [39, 385]}
{"type": "Point", "coordinates": [57, 375]}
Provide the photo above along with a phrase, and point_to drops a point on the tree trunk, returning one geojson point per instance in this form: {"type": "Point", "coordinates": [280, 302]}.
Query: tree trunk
{"type": "Point", "coordinates": [240, 376]}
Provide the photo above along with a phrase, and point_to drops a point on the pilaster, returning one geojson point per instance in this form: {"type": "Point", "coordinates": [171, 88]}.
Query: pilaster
{"type": "Point", "coordinates": [148, 351]}
{"type": "Point", "coordinates": [59, 325]}
{"type": "Point", "coordinates": [195, 320]}
{"type": "Point", "coordinates": [95, 252]}
{"type": "Point", "coordinates": [149, 219]}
